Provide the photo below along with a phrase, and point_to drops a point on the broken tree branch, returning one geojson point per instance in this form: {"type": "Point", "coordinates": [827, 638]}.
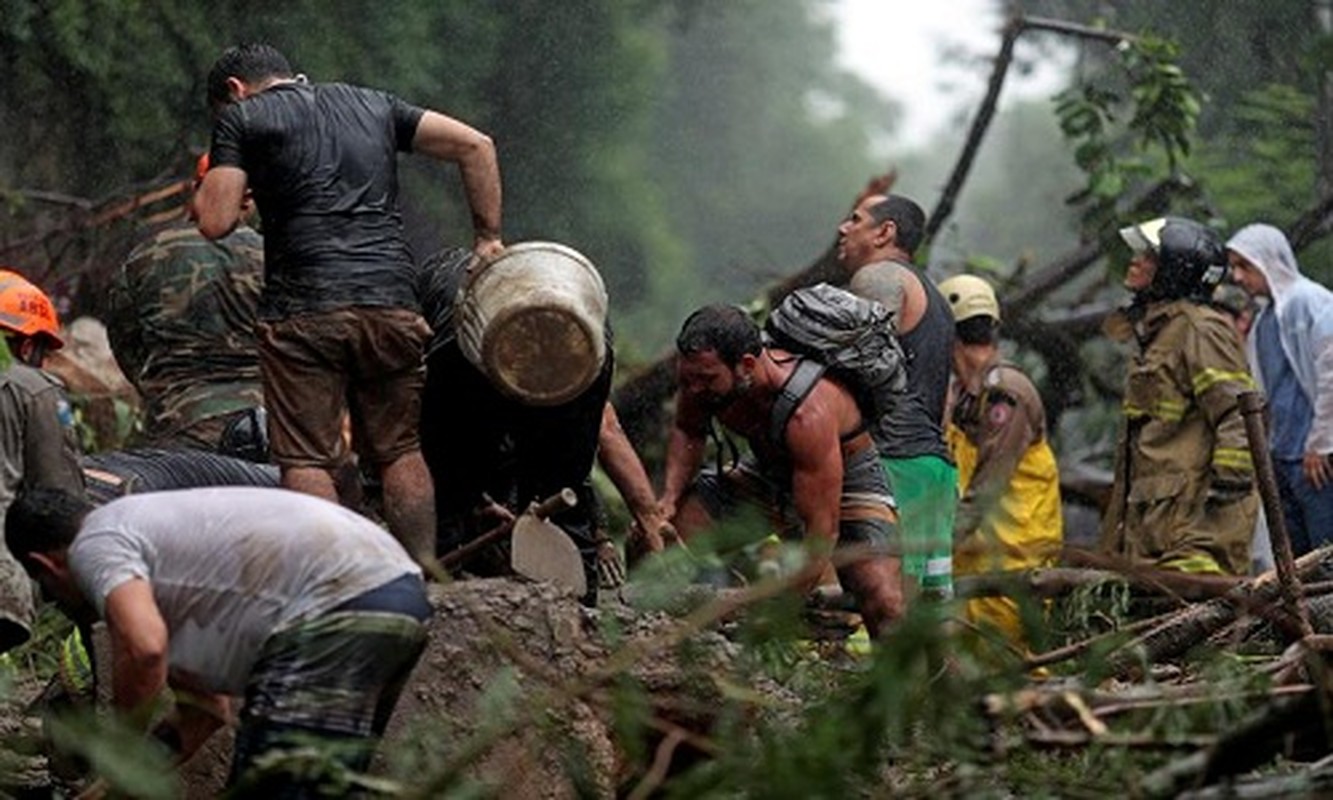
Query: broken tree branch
{"type": "Point", "coordinates": [1013, 28]}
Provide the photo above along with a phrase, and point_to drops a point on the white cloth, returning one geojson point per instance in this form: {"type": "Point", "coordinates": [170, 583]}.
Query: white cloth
{"type": "Point", "coordinates": [1305, 324]}
{"type": "Point", "coordinates": [230, 566]}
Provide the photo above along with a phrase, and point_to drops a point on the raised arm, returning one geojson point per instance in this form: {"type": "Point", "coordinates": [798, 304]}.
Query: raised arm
{"type": "Point", "coordinates": [447, 139]}
{"type": "Point", "coordinates": [217, 204]}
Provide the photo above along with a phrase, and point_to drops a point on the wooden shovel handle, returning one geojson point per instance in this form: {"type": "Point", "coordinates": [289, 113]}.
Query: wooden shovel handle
{"type": "Point", "coordinates": [562, 500]}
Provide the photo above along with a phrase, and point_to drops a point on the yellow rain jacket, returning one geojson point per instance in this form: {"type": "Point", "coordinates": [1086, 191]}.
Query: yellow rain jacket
{"type": "Point", "coordinates": [1184, 495]}
{"type": "Point", "coordinates": [1009, 517]}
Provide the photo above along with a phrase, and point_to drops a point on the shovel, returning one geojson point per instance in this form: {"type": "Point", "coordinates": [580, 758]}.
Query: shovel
{"type": "Point", "coordinates": [539, 550]}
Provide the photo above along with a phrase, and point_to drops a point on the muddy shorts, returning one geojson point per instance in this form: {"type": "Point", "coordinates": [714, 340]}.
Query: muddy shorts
{"type": "Point", "coordinates": [332, 682]}
{"type": "Point", "coordinates": [866, 517]}
{"type": "Point", "coordinates": [318, 367]}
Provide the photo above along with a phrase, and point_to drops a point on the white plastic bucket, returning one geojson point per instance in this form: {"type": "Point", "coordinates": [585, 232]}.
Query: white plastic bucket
{"type": "Point", "coordinates": [534, 321]}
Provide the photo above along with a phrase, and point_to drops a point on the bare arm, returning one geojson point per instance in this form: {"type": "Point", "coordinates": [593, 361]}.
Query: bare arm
{"type": "Point", "coordinates": [816, 481]}
{"type": "Point", "coordinates": [447, 139]}
{"type": "Point", "coordinates": [217, 203]}
{"type": "Point", "coordinates": [622, 465]}
{"type": "Point", "coordinates": [138, 648]}
{"type": "Point", "coordinates": [685, 454]}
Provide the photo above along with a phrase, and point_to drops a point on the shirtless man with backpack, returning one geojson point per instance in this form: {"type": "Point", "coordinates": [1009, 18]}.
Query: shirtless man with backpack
{"type": "Point", "coordinates": [815, 466]}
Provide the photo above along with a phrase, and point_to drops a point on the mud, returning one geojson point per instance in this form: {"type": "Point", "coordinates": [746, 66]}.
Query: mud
{"type": "Point", "coordinates": [508, 692]}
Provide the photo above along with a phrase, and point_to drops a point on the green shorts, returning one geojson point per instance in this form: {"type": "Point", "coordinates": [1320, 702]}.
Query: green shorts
{"type": "Point", "coordinates": [926, 491]}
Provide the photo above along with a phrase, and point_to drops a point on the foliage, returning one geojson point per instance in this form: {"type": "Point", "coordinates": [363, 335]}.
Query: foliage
{"type": "Point", "coordinates": [667, 139]}
{"type": "Point", "coordinates": [1260, 64]}
{"type": "Point", "coordinates": [1165, 108]}
{"type": "Point", "coordinates": [116, 752]}
{"type": "Point", "coordinates": [38, 658]}
{"type": "Point", "coordinates": [1013, 212]}
{"type": "Point", "coordinates": [1265, 165]}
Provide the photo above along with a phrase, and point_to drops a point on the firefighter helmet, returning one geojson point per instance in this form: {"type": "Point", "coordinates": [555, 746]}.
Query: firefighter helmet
{"type": "Point", "coordinates": [26, 310]}
{"type": "Point", "coordinates": [970, 296]}
{"type": "Point", "coordinates": [1191, 259]}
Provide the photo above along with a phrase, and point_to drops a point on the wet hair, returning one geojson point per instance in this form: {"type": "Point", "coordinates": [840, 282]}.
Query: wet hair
{"type": "Point", "coordinates": [980, 329]}
{"type": "Point", "coordinates": [727, 330]}
{"type": "Point", "coordinates": [43, 521]}
{"type": "Point", "coordinates": [906, 216]}
{"type": "Point", "coordinates": [251, 62]}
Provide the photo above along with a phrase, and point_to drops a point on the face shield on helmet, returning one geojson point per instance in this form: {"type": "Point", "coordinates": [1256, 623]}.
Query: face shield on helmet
{"type": "Point", "coordinates": [27, 311]}
{"type": "Point", "coordinates": [1191, 259]}
{"type": "Point", "coordinates": [970, 296]}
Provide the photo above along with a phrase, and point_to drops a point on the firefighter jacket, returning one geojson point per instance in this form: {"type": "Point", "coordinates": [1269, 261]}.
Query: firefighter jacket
{"type": "Point", "coordinates": [1009, 517]}
{"type": "Point", "coordinates": [1184, 493]}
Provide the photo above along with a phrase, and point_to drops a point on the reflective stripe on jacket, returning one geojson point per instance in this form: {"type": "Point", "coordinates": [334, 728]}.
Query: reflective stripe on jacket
{"type": "Point", "coordinates": [1183, 496]}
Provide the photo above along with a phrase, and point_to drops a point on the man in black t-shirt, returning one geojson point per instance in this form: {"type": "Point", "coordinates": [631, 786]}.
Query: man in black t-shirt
{"type": "Point", "coordinates": [340, 328]}
{"type": "Point", "coordinates": [516, 452]}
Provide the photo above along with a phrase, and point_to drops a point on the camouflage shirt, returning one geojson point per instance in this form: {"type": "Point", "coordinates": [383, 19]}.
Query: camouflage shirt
{"type": "Point", "coordinates": [181, 322]}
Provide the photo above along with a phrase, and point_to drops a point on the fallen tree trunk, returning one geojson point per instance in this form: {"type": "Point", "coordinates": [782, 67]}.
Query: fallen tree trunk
{"type": "Point", "coordinates": [1058, 581]}
{"type": "Point", "coordinates": [1251, 744]}
{"type": "Point", "coordinates": [1196, 624]}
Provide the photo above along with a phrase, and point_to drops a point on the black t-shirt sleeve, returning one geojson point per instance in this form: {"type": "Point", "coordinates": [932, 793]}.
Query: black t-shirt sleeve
{"type": "Point", "coordinates": [406, 118]}
{"type": "Point", "coordinates": [227, 135]}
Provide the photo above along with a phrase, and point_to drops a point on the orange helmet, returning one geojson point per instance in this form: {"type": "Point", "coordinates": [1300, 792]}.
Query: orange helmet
{"type": "Point", "coordinates": [26, 309]}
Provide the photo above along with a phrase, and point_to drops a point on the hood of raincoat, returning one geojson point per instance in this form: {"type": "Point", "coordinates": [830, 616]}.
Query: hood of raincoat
{"type": "Point", "coordinates": [1267, 248]}
{"type": "Point", "coordinates": [1304, 312]}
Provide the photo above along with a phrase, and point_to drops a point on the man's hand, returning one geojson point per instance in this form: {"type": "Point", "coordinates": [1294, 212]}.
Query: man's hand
{"type": "Point", "coordinates": [192, 722]}
{"type": "Point", "coordinates": [1317, 469]}
{"type": "Point", "coordinates": [654, 533]}
{"type": "Point", "coordinates": [487, 248]}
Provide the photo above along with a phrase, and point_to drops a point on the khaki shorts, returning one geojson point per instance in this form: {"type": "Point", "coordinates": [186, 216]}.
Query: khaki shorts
{"type": "Point", "coordinates": [319, 367]}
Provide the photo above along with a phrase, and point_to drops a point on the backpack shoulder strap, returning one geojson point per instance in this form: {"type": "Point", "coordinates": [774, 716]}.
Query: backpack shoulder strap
{"type": "Point", "coordinates": [795, 389]}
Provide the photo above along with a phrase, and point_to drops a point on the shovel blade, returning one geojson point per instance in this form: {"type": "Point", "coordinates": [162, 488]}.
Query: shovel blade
{"type": "Point", "coordinates": [541, 551]}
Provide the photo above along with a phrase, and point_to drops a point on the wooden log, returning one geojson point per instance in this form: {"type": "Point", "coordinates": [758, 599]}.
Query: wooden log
{"type": "Point", "coordinates": [1057, 581]}
{"type": "Point", "coordinates": [1252, 410]}
{"type": "Point", "coordinates": [1316, 781]}
{"type": "Point", "coordinates": [1194, 625]}
{"type": "Point", "coordinates": [1253, 743]}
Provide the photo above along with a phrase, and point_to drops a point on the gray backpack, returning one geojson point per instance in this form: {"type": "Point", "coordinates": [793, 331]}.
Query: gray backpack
{"type": "Point", "coordinates": [853, 339]}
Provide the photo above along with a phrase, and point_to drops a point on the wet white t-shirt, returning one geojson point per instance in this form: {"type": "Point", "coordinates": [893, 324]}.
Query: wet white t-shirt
{"type": "Point", "coordinates": [230, 566]}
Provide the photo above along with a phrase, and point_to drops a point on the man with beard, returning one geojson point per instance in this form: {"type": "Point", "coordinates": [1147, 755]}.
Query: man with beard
{"type": "Point", "coordinates": [814, 469]}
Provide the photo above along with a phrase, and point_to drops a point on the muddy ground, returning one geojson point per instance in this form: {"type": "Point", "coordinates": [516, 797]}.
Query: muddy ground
{"type": "Point", "coordinates": [514, 689]}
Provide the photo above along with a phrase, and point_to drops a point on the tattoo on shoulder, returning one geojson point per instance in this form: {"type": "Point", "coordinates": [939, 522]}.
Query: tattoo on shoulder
{"type": "Point", "coordinates": [881, 283]}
